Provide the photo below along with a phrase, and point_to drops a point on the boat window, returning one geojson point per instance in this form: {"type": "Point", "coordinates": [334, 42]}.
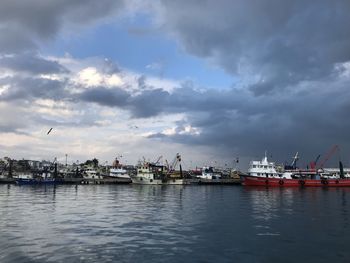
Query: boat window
{"type": "Point", "coordinates": [254, 166]}
{"type": "Point", "coordinates": [265, 166]}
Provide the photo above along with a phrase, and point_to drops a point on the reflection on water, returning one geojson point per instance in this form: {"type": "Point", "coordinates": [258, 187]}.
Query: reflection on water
{"type": "Point", "coordinates": [130, 223]}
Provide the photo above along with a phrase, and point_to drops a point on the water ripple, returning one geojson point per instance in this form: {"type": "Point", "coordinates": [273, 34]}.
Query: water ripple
{"type": "Point", "coordinates": [129, 223]}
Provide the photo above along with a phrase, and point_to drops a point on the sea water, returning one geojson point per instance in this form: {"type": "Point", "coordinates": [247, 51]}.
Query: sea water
{"type": "Point", "coordinates": [140, 223]}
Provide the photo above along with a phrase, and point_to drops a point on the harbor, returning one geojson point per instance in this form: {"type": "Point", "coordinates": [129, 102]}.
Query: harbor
{"type": "Point", "coordinates": [161, 172]}
{"type": "Point", "coordinates": [27, 172]}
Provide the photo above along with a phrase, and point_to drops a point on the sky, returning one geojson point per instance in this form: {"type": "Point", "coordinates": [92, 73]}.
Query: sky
{"type": "Point", "coordinates": [212, 80]}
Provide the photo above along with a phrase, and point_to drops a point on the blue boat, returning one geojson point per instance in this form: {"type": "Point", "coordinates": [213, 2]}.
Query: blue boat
{"type": "Point", "coordinates": [40, 181]}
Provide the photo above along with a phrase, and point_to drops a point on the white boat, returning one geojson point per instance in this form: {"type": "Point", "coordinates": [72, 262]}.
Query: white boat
{"type": "Point", "coordinates": [91, 173]}
{"type": "Point", "coordinates": [149, 173]}
{"type": "Point", "coordinates": [117, 171]}
{"type": "Point", "coordinates": [152, 173]}
{"type": "Point", "coordinates": [267, 169]}
{"type": "Point", "coordinates": [23, 176]}
{"type": "Point", "coordinates": [209, 173]}
{"type": "Point", "coordinates": [263, 168]}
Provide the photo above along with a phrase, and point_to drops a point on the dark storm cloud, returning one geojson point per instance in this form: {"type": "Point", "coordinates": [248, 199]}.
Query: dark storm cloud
{"type": "Point", "coordinates": [283, 42]}
{"type": "Point", "coordinates": [146, 104]}
{"type": "Point", "coordinates": [14, 39]}
{"type": "Point", "coordinates": [24, 23]}
{"type": "Point", "coordinates": [31, 63]}
{"type": "Point", "coordinates": [149, 103]}
{"type": "Point", "coordinates": [27, 88]}
{"type": "Point", "coordinates": [289, 56]}
{"type": "Point", "coordinates": [282, 124]}
{"type": "Point", "coordinates": [115, 97]}
{"type": "Point", "coordinates": [44, 18]}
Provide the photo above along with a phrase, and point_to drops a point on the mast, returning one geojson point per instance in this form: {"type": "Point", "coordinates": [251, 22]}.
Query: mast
{"type": "Point", "coordinates": [341, 168]}
{"type": "Point", "coordinates": [10, 169]}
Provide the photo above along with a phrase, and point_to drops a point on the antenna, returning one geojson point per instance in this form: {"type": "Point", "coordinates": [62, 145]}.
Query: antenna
{"type": "Point", "coordinates": [295, 159]}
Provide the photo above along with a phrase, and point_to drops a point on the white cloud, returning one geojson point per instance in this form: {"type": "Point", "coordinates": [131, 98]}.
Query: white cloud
{"type": "Point", "coordinates": [4, 88]}
{"type": "Point", "coordinates": [54, 109]}
{"type": "Point", "coordinates": [183, 130]}
{"type": "Point", "coordinates": [92, 77]}
{"type": "Point", "coordinates": [89, 77]}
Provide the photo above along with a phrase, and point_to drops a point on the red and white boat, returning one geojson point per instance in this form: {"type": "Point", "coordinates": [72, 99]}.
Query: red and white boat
{"type": "Point", "coordinates": [264, 173]}
{"type": "Point", "coordinates": [282, 182]}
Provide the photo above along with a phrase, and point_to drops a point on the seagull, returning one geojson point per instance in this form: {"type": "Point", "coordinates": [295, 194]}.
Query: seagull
{"type": "Point", "coordinates": [49, 131]}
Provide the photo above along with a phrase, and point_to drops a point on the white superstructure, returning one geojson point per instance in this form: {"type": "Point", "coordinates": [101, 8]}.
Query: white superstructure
{"type": "Point", "coordinates": [118, 173]}
{"type": "Point", "coordinates": [91, 173]}
{"type": "Point", "coordinates": [263, 168]}
{"type": "Point", "coordinates": [208, 172]}
{"type": "Point", "coordinates": [149, 173]}
{"type": "Point", "coordinates": [153, 173]}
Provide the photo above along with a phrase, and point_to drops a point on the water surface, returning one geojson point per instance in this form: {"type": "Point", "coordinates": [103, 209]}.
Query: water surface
{"type": "Point", "coordinates": [130, 223]}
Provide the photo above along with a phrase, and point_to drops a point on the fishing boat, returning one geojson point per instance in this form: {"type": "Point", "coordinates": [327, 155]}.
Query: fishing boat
{"type": "Point", "coordinates": [29, 179]}
{"type": "Point", "coordinates": [149, 173]}
{"type": "Point", "coordinates": [263, 168]}
{"type": "Point", "coordinates": [157, 174]}
{"type": "Point", "coordinates": [45, 178]}
{"type": "Point", "coordinates": [208, 172]}
{"type": "Point", "coordinates": [38, 181]}
{"type": "Point", "coordinates": [91, 173]}
{"type": "Point", "coordinates": [264, 173]}
{"type": "Point", "coordinates": [117, 171]}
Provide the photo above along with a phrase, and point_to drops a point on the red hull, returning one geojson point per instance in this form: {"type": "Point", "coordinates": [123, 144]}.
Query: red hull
{"type": "Point", "coordinates": [274, 182]}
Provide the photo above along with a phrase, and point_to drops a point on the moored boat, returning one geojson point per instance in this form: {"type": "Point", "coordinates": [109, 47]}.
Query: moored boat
{"type": "Point", "coordinates": [283, 182]}
{"type": "Point", "coordinates": [117, 171]}
{"type": "Point", "coordinates": [209, 173]}
{"type": "Point", "coordinates": [157, 174]}
{"type": "Point", "coordinates": [149, 173]}
{"type": "Point", "coordinates": [264, 173]}
{"type": "Point", "coordinates": [38, 181]}
{"type": "Point", "coordinates": [91, 173]}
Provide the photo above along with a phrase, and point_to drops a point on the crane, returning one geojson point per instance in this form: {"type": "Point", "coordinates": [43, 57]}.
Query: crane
{"type": "Point", "coordinates": [328, 156]}
{"type": "Point", "coordinates": [313, 163]}
{"type": "Point", "coordinates": [176, 160]}
{"type": "Point", "coordinates": [158, 160]}
{"type": "Point", "coordinates": [293, 165]}
{"type": "Point", "coordinates": [295, 159]}
{"type": "Point", "coordinates": [317, 158]}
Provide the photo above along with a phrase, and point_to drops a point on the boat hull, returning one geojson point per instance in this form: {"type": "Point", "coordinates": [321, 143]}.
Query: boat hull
{"type": "Point", "coordinates": [280, 182]}
{"type": "Point", "coordinates": [176, 182]}
{"type": "Point", "coordinates": [26, 181]}
{"type": "Point", "coordinates": [126, 176]}
{"type": "Point", "coordinates": [141, 180]}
